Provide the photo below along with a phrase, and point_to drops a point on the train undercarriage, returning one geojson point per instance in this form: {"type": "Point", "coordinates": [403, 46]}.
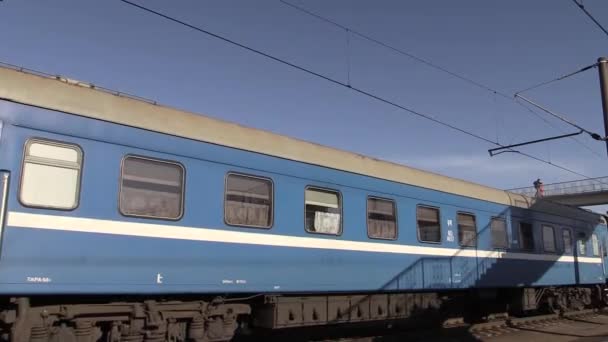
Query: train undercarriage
{"type": "Point", "coordinates": [186, 319]}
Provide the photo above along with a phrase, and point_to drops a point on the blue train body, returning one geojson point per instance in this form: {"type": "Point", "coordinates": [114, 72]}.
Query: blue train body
{"type": "Point", "coordinates": [95, 249]}
{"type": "Point", "coordinates": [72, 260]}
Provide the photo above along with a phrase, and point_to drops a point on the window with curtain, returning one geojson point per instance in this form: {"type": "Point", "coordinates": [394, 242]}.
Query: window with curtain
{"type": "Point", "coordinates": [323, 211]}
{"type": "Point", "coordinates": [548, 239]}
{"type": "Point", "coordinates": [582, 247]}
{"type": "Point", "coordinates": [248, 201]}
{"type": "Point", "coordinates": [151, 188]}
{"type": "Point", "coordinates": [381, 218]}
{"type": "Point", "coordinates": [595, 245]}
{"type": "Point", "coordinates": [429, 227]}
{"type": "Point", "coordinates": [567, 239]}
{"type": "Point", "coordinates": [467, 230]}
{"type": "Point", "coordinates": [498, 230]}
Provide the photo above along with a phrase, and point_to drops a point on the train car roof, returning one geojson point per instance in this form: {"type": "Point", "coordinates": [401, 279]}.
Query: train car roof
{"type": "Point", "coordinates": [83, 99]}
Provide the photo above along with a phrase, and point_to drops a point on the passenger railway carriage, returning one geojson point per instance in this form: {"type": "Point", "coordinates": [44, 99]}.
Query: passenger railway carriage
{"type": "Point", "coordinates": [123, 220]}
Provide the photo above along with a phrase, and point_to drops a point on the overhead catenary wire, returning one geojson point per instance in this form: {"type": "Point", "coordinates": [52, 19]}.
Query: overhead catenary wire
{"type": "Point", "coordinates": [350, 31]}
{"type": "Point", "coordinates": [342, 84]}
{"type": "Point", "coordinates": [597, 23]}
{"type": "Point", "coordinates": [563, 118]}
{"type": "Point", "coordinates": [313, 73]}
{"type": "Point", "coordinates": [563, 77]}
{"type": "Point", "coordinates": [398, 50]}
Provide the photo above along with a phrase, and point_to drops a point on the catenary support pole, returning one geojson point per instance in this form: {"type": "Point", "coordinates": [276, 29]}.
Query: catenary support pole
{"type": "Point", "coordinates": [603, 69]}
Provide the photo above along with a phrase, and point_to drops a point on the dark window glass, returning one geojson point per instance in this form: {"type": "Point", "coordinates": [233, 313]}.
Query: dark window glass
{"type": "Point", "coordinates": [567, 237]}
{"type": "Point", "coordinates": [381, 219]}
{"type": "Point", "coordinates": [323, 211]}
{"type": "Point", "coordinates": [548, 239]}
{"type": "Point", "coordinates": [467, 231]}
{"type": "Point", "coordinates": [151, 188]}
{"type": "Point", "coordinates": [498, 228]}
{"type": "Point", "coordinates": [429, 228]}
{"type": "Point", "coordinates": [248, 201]}
{"type": "Point", "coordinates": [526, 236]}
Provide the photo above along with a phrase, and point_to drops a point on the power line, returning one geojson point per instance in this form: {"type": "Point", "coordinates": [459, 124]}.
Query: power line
{"type": "Point", "coordinates": [582, 7]}
{"type": "Point", "coordinates": [562, 118]}
{"type": "Point", "coordinates": [350, 30]}
{"type": "Point", "coordinates": [342, 84]}
{"type": "Point", "coordinates": [588, 67]}
{"type": "Point", "coordinates": [399, 51]}
{"type": "Point", "coordinates": [308, 71]}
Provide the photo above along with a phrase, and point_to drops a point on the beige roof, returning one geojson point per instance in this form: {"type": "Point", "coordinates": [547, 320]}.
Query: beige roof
{"type": "Point", "coordinates": [85, 100]}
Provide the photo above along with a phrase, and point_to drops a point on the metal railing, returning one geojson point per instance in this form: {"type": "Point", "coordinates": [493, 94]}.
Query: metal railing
{"type": "Point", "coordinates": [567, 188]}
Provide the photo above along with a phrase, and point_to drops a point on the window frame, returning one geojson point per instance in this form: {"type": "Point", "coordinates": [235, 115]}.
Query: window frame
{"type": "Point", "coordinates": [58, 143]}
{"type": "Point", "coordinates": [500, 218]}
{"type": "Point", "coordinates": [521, 240]}
{"type": "Point", "coordinates": [340, 204]}
{"type": "Point", "coordinates": [566, 229]}
{"type": "Point", "coordinates": [225, 193]}
{"type": "Point", "coordinates": [159, 160]}
{"type": "Point", "coordinates": [458, 228]}
{"type": "Point", "coordinates": [439, 222]}
{"type": "Point", "coordinates": [542, 234]}
{"type": "Point", "coordinates": [367, 217]}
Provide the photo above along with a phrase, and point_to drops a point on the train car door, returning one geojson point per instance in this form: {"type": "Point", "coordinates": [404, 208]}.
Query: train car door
{"type": "Point", "coordinates": [603, 252]}
{"type": "Point", "coordinates": [580, 250]}
{"type": "Point", "coordinates": [4, 180]}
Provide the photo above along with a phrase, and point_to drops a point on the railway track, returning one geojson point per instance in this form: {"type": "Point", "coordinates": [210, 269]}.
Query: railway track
{"type": "Point", "coordinates": [456, 330]}
{"type": "Point", "coordinates": [513, 324]}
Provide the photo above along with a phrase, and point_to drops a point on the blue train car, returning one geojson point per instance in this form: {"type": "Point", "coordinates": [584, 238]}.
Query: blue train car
{"type": "Point", "coordinates": [122, 219]}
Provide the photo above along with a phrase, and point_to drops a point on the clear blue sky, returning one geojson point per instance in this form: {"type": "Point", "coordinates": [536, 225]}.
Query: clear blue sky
{"type": "Point", "coordinates": [507, 45]}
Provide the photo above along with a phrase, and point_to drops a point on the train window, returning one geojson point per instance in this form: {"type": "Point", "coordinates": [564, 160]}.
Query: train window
{"type": "Point", "coordinates": [248, 201]}
{"type": "Point", "coordinates": [51, 175]}
{"type": "Point", "coordinates": [548, 239]}
{"type": "Point", "coordinates": [323, 211]}
{"type": "Point", "coordinates": [151, 188]}
{"type": "Point", "coordinates": [567, 239]}
{"type": "Point", "coordinates": [582, 247]}
{"type": "Point", "coordinates": [595, 245]}
{"type": "Point", "coordinates": [381, 218]}
{"type": "Point", "coordinates": [526, 236]}
{"type": "Point", "coordinates": [429, 227]}
{"type": "Point", "coordinates": [467, 230]}
{"type": "Point", "coordinates": [498, 229]}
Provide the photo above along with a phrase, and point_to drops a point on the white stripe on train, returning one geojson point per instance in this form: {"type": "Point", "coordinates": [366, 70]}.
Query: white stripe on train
{"type": "Point", "coordinates": [88, 225]}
